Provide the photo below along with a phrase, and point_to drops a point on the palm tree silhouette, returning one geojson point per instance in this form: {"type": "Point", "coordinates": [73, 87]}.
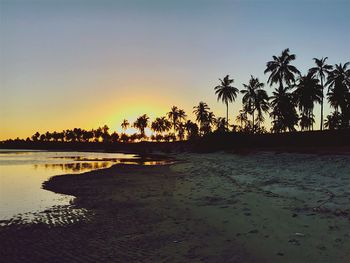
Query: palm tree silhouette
{"type": "Point", "coordinates": [333, 121]}
{"type": "Point", "coordinates": [209, 122]}
{"type": "Point", "coordinates": [173, 116]}
{"type": "Point", "coordinates": [226, 93]}
{"type": "Point", "coordinates": [125, 125]}
{"type": "Point", "coordinates": [220, 124]}
{"type": "Point", "coordinates": [283, 110]}
{"type": "Point", "coordinates": [181, 115]}
{"type": "Point", "coordinates": [339, 91]}
{"type": "Point", "coordinates": [321, 70]}
{"type": "Point", "coordinates": [160, 125]}
{"type": "Point", "coordinates": [36, 136]}
{"type": "Point", "coordinates": [281, 71]}
{"type": "Point", "coordinates": [201, 111]}
{"type": "Point", "coordinates": [242, 118]}
{"type": "Point", "coordinates": [255, 98]}
{"type": "Point", "coordinates": [307, 92]}
{"type": "Point", "coordinates": [262, 105]}
{"type": "Point", "coordinates": [191, 129]}
{"type": "Point", "coordinates": [141, 124]}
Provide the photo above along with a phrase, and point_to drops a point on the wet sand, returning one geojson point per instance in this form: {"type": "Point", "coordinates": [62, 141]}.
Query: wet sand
{"type": "Point", "coordinates": [221, 207]}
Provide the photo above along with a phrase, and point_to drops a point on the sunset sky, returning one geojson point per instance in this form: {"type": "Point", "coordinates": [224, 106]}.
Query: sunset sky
{"type": "Point", "coordinates": [66, 64]}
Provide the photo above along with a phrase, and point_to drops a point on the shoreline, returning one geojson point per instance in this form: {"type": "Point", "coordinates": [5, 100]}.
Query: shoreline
{"type": "Point", "coordinates": [139, 222]}
{"type": "Point", "coordinates": [192, 210]}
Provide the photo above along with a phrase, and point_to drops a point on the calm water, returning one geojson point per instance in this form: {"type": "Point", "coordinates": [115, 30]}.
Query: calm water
{"type": "Point", "coordinates": [22, 173]}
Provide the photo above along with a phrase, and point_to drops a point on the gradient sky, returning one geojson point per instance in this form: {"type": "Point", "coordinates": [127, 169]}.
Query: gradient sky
{"type": "Point", "coordinates": [66, 64]}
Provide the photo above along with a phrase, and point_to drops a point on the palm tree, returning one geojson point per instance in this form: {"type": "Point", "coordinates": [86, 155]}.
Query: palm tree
{"type": "Point", "coordinates": [181, 131]}
{"type": "Point", "coordinates": [307, 92]}
{"type": "Point", "coordinates": [226, 93]}
{"type": "Point", "coordinates": [36, 136]}
{"type": "Point", "coordinates": [181, 115]}
{"type": "Point", "coordinates": [114, 137]}
{"type": "Point", "coordinates": [125, 124]}
{"type": "Point", "coordinates": [333, 121]}
{"type": "Point", "coordinates": [339, 91]}
{"type": "Point", "coordinates": [191, 129]}
{"type": "Point", "coordinates": [201, 111]}
{"type": "Point", "coordinates": [141, 124]}
{"type": "Point", "coordinates": [283, 110]}
{"type": "Point", "coordinates": [220, 124]}
{"type": "Point", "coordinates": [242, 118]}
{"type": "Point", "coordinates": [160, 125]}
{"type": "Point", "coordinates": [281, 71]}
{"type": "Point", "coordinates": [306, 121]}
{"type": "Point", "coordinates": [321, 70]}
{"type": "Point", "coordinates": [209, 122]}
{"type": "Point", "coordinates": [173, 116]}
{"type": "Point", "coordinates": [97, 134]}
{"type": "Point", "coordinates": [255, 98]}
{"type": "Point", "coordinates": [262, 105]}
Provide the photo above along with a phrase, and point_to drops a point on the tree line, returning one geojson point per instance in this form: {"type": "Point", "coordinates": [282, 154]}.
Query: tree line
{"type": "Point", "coordinates": [291, 105]}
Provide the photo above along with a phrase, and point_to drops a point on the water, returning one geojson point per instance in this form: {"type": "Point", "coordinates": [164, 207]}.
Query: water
{"type": "Point", "coordinates": [22, 173]}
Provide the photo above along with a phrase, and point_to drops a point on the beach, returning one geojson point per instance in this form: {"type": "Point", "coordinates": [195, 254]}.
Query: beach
{"type": "Point", "coordinates": [214, 207]}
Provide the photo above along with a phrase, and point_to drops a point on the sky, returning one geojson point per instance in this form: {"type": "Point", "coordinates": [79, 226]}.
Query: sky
{"type": "Point", "coordinates": [66, 64]}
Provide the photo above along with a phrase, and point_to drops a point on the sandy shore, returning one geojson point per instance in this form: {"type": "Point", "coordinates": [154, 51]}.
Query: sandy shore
{"type": "Point", "coordinates": [261, 207]}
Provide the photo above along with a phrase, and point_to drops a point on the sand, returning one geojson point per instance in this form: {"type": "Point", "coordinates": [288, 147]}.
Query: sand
{"type": "Point", "coordinates": [220, 207]}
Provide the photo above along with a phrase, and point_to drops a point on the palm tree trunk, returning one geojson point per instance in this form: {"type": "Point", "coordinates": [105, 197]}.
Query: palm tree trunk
{"type": "Point", "coordinates": [253, 122]}
{"type": "Point", "coordinates": [226, 116]}
{"type": "Point", "coordinates": [321, 124]}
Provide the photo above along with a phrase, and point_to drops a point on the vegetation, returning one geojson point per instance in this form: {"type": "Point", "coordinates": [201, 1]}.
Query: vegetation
{"type": "Point", "coordinates": [226, 93]}
{"type": "Point", "coordinates": [290, 106]}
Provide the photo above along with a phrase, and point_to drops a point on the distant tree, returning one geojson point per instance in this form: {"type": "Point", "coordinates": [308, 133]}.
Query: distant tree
{"type": "Point", "coordinates": [87, 135]}
{"type": "Point", "coordinates": [181, 131]}
{"type": "Point", "coordinates": [160, 125]}
{"type": "Point", "coordinates": [78, 134]}
{"type": "Point", "coordinates": [173, 116]}
{"type": "Point", "coordinates": [209, 123]}
{"type": "Point", "coordinates": [169, 137]}
{"type": "Point", "coordinates": [48, 136]}
{"type": "Point", "coordinates": [124, 137]}
{"type": "Point", "coordinates": [114, 137]}
{"type": "Point", "coordinates": [220, 124]}
{"type": "Point", "coordinates": [226, 93]}
{"type": "Point", "coordinates": [321, 70]}
{"type": "Point", "coordinates": [42, 137]}
{"type": "Point", "coordinates": [141, 124]}
{"type": "Point", "coordinates": [333, 121]}
{"type": "Point", "coordinates": [201, 111]}
{"type": "Point", "coordinates": [191, 129]}
{"type": "Point", "coordinates": [306, 121]}
{"type": "Point", "coordinates": [36, 137]}
{"type": "Point", "coordinates": [61, 136]}
{"type": "Point", "coordinates": [125, 125]}
{"type": "Point", "coordinates": [105, 134]}
{"type": "Point", "coordinates": [182, 115]}
{"type": "Point", "coordinates": [97, 134]}
{"type": "Point", "coordinates": [255, 98]}
{"type": "Point", "coordinates": [242, 118]}
{"type": "Point", "coordinates": [55, 136]}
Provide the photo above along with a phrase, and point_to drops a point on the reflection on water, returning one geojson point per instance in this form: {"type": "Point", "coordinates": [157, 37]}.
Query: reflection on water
{"type": "Point", "coordinates": [74, 167]}
{"type": "Point", "coordinates": [22, 173]}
